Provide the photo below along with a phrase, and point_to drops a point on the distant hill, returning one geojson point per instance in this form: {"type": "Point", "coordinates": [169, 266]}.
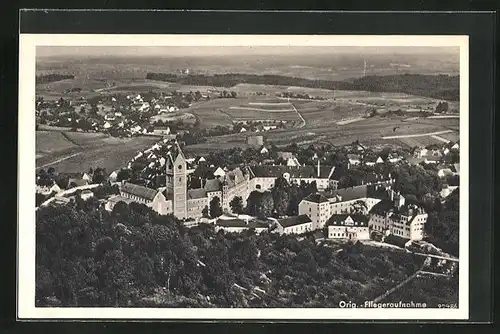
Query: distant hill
{"type": "Point", "coordinates": [444, 87]}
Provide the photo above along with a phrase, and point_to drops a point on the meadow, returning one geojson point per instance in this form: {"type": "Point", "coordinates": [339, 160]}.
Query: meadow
{"type": "Point", "coordinates": [75, 152]}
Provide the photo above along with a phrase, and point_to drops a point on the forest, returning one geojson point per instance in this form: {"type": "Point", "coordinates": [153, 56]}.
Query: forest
{"type": "Point", "coordinates": [47, 78]}
{"type": "Point", "coordinates": [443, 87]}
{"type": "Point", "coordinates": [132, 257]}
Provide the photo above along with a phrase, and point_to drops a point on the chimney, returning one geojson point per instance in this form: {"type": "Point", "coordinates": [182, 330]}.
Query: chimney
{"type": "Point", "coordinates": [319, 168]}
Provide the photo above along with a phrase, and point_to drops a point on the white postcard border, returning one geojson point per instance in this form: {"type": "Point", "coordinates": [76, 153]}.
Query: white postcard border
{"type": "Point", "coordinates": [26, 166]}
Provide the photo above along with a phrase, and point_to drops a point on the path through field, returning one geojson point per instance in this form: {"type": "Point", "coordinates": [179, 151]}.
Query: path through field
{"type": "Point", "coordinates": [59, 160]}
{"type": "Point", "coordinates": [441, 139]}
{"type": "Point", "coordinates": [418, 135]}
{"type": "Point", "coordinates": [300, 115]}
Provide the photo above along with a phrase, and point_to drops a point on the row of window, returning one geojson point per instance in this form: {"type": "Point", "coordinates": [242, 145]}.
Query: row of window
{"type": "Point", "coordinates": [299, 229]}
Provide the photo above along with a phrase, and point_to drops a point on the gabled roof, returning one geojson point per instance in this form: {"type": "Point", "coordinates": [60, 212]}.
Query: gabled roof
{"type": "Point", "coordinates": [204, 171]}
{"type": "Point", "coordinates": [213, 185]}
{"type": "Point", "coordinates": [285, 155]}
{"type": "Point", "coordinates": [337, 219]}
{"type": "Point", "coordinates": [234, 177]}
{"type": "Point", "coordinates": [396, 240]}
{"type": "Point", "coordinates": [78, 182]}
{"type": "Point", "coordinates": [294, 221]}
{"type": "Point", "coordinates": [139, 191]}
{"type": "Point", "coordinates": [196, 193]}
{"type": "Point", "coordinates": [304, 172]}
{"type": "Point", "coordinates": [348, 194]}
{"type": "Point", "coordinates": [316, 198]}
{"type": "Point", "coordinates": [231, 223]}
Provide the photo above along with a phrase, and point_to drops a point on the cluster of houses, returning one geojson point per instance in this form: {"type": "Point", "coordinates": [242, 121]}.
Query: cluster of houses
{"type": "Point", "coordinates": [351, 213]}
{"type": "Point", "coordinates": [113, 113]}
{"type": "Point", "coordinates": [189, 184]}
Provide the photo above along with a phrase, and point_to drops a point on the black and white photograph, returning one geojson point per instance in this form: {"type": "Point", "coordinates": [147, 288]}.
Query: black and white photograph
{"type": "Point", "coordinates": [218, 176]}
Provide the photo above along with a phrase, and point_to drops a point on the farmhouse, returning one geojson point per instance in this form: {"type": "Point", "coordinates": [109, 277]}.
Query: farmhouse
{"type": "Point", "coordinates": [348, 226]}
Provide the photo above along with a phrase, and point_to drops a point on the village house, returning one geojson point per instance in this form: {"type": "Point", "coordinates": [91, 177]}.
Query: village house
{"type": "Point", "coordinates": [431, 159]}
{"type": "Point", "coordinates": [354, 159]}
{"type": "Point", "coordinates": [348, 226]}
{"type": "Point", "coordinates": [72, 180]}
{"type": "Point", "coordinates": [294, 225]}
{"type": "Point", "coordinates": [236, 225]}
{"type": "Point", "coordinates": [113, 176]}
{"type": "Point", "coordinates": [86, 194]}
{"type": "Point", "coordinates": [420, 152]}
{"type": "Point", "coordinates": [293, 162]}
{"type": "Point", "coordinates": [447, 190]}
{"type": "Point", "coordinates": [54, 188]}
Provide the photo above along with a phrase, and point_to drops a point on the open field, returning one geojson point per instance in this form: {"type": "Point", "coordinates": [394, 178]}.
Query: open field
{"type": "Point", "coordinates": [75, 151]}
{"type": "Point", "coordinates": [369, 131]}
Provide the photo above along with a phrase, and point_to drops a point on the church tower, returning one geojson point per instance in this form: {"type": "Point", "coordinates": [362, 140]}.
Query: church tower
{"type": "Point", "coordinates": [176, 172]}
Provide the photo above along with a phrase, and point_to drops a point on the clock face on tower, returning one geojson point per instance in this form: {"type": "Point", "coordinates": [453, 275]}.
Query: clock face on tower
{"type": "Point", "coordinates": [179, 167]}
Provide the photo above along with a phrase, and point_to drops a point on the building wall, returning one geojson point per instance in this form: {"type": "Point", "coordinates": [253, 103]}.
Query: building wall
{"type": "Point", "coordinates": [298, 229]}
{"type": "Point", "coordinates": [180, 187]}
{"type": "Point", "coordinates": [417, 227]}
{"type": "Point", "coordinates": [263, 183]}
{"type": "Point", "coordinates": [195, 207]}
{"type": "Point", "coordinates": [353, 233]}
{"type": "Point", "coordinates": [400, 228]}
{"type": "Point", "coordinates": [347, 206]}
{"type": "Point", "coordinates": [161, 205]}
{"type": "Point", "coordinates": [231, 229]}
{"type": "Point", "coordinates": [213, 194]}
{"type": "Point", "coordinates": [378, 223]}
{"type": "Point", "coordinates": [135, 198]}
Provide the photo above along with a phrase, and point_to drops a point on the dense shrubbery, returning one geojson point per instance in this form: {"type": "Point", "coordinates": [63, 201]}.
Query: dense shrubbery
{"type": "Point", "coordinates": [134, 257]}
{"type": "Point", "coordinates": [437, 86]}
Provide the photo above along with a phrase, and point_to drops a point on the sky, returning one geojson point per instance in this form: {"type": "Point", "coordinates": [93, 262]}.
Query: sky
{"type": "Point", "coordinates": [187, 51]}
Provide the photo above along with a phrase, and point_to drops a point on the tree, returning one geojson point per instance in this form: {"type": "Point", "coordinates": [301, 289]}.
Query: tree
{"type": "Point", "coordinates": [99, 175]}
{"type": "Point", "coordinates": [359, 207]}
{"type": "Point", "coordinates": [215, 208]}
{"type": "Point", "coordinates": [123, 174]}
{"type": "Point", "coordinates": [94, 109]}
{"type": "Point", "coordinates": [281, 196]}
{"type": "Point", "coordinates": [236, 204]}
{"type": "Point", "coordinates": [204, 212]}
{"type": "Point", "coordinates": [442, 107]}
{"type": "Point", "coordinates": [266, 208]}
